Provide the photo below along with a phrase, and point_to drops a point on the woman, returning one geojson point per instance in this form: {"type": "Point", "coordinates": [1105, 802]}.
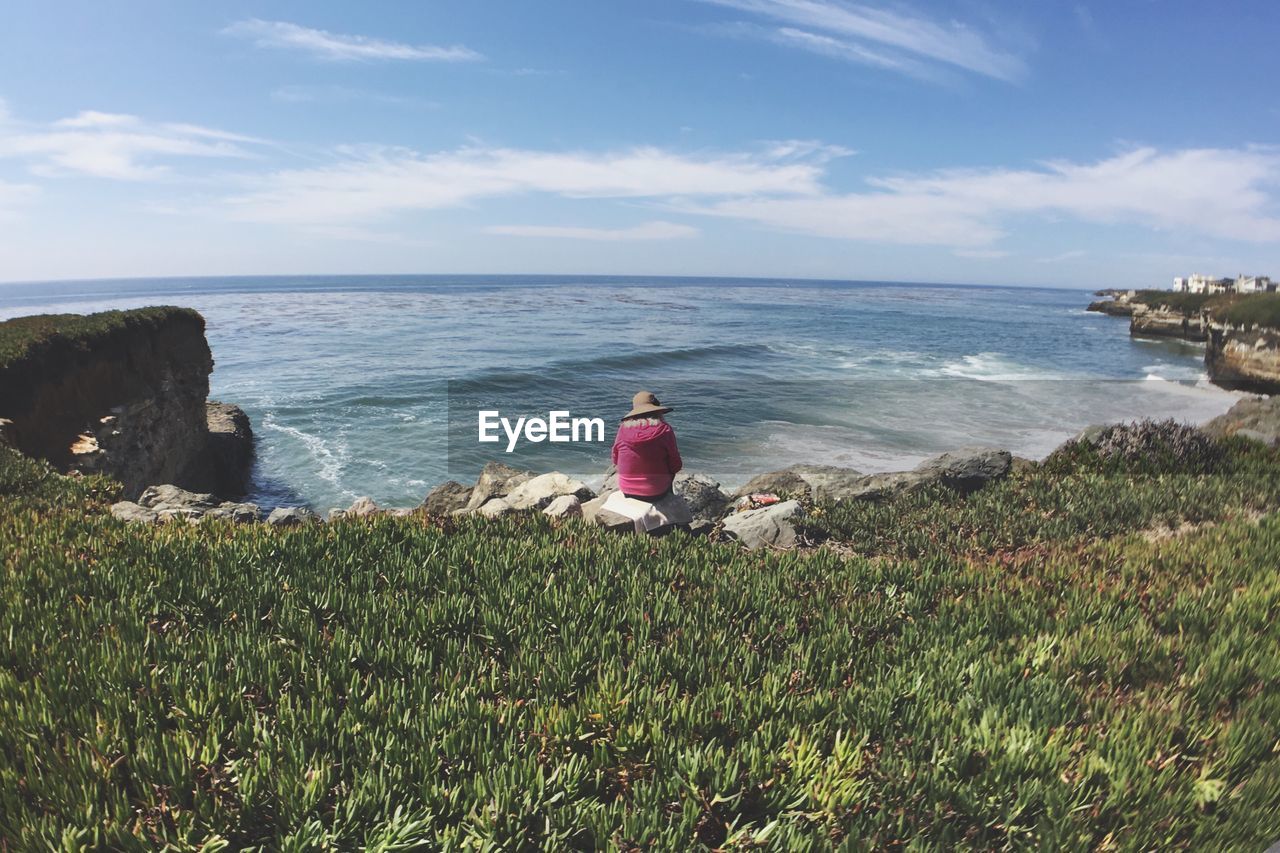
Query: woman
{"type": "Point", "coordinates": [645, 450]}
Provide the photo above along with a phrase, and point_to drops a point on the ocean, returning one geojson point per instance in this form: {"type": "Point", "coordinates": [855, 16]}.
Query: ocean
{"type": "Point", "coordinates": [371, 385]}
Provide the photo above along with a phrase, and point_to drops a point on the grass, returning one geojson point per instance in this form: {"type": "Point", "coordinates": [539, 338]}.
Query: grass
{"type": "Point", "coordinates": [1254, 309]}
{"type": "Point", "coordinates": [24, 338]}
{"type": "Point", "coordinates": [1259, 309]}
{"type": "Point", "coordinates": [1019, 668]}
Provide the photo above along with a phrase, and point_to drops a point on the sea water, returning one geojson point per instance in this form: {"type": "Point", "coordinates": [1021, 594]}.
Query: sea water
{"type": "Point", "coordinates": [370, 385]}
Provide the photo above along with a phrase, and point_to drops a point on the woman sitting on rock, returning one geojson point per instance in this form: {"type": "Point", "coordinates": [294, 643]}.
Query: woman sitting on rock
{"type": "Point", "coordinates": [645, 450]}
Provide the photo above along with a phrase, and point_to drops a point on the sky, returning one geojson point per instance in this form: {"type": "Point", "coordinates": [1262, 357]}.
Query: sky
{"type": "Point", "coordinates": [1048, 143]}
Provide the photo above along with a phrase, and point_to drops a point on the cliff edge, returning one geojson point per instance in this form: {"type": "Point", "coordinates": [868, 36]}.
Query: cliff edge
{"type": "Point", "coordinates": [122, 393]}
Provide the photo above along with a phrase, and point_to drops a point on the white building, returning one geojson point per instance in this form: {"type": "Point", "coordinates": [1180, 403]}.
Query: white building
{"type": "Point", "coordinates": [1197, 283]}
{"type": "Point", "coordinates": [1253, 284]}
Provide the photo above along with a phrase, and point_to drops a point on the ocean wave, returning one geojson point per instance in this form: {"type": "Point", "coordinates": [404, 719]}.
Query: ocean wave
{"type": "Point", "coordinates": [639, 361]}
{"type": "Point", "coordinates": [330, 460]}
{"type": "Point", "coordinates": [991, 367]}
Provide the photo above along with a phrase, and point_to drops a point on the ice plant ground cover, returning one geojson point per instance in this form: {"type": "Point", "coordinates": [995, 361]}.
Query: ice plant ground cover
{"type": "Point", "coordinates": [1083, 656]}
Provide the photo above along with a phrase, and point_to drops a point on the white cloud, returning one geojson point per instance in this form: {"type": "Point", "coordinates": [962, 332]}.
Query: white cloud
{"type": "Point", "coordinates": [1226, 193]}
{"type": "Point", "coordinates": [657, 230]}
{"type": "Point", "coordinates": [1062, 257]}
{"type": "Point", "coordinates": [340, 47]}
{"type": "Point", "coordinates": [981, 254]}
{"type": "Point", "coordinates": [1216, 192]}
{"type": "Point", "coordinates": [368, 183]}
{"type": "Point", "coordinates": [296, 94]}
{"type": "Point", "coordinates": [114, 145]}
{"type": "Point", "coordinates": [896, 40]}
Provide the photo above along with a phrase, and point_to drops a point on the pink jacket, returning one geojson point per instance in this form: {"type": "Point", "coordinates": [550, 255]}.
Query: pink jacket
{"type": "Point", "coordinates": [647, 457]}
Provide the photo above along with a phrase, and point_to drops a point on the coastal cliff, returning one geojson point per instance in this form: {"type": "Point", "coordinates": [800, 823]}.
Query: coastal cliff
{"type": "Point", "coordinates": [1244, 359]}
{"type": "Point", "coordinates": [122, 393]}
{"type": "Point", "coordinates": [1241, 332]}
{"type": "Point", "coordinates": [1159, 321]}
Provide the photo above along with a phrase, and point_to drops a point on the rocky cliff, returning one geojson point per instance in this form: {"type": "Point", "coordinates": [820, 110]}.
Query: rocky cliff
{"type": "Point", "coordinates": [122, 393]}
{"type": "Point", "coordinates": [1244, 359]}
{"type": "Point", "coordinates": [1162, 322]}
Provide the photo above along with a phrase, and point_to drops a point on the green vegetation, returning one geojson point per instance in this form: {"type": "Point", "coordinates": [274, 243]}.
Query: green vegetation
{"type": "Point", "coordinates": [24, 337]}
{"type": "Point", "coordinates": [1189, 304]}
{"type": "Point", "coordinates": [1020, 668]}
{"type": "Point", "coordinates": [1258, 309]}
{"type": "Point", "coordinates": [1254, 309]}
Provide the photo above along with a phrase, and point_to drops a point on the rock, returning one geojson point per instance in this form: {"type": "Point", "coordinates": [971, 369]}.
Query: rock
{"type": "Point", "coordinates": [968, 469]}
{"type": "Point", "coordinates": [818, 482]}
{"type": "Point", "coordinates": [229, 458]}
{"type": "Point", "coordinates": [785, 482]}
{"type": "Point", "coordinates": [565, 506]}
{"type": "Point", "coordinates": [1165, 322]}
{"type": "Point", "coordinates": [612, 521]}
{"type": "Point", "coordinates": [400, 512]}
{"type": "Point", "coordinates": [1257, 418]}
{"type": "Point", "coordinates": [707, 504]}
{"type": "Point", "coordinates": [610, 481]}
{"type": "Point", "coordinates": [361, 508]}
{"type": "Point", "coordinates": [1270, 439]}
{"type": "Point", "coordinates": [292, 517]}
{"type": "Point", "coordinates": [445, 498]}
{"type": "Point", "coordinates": [171, 498]}
{"type": "Point", "coordinates": [1114, 307]}
{"type": "Point", "coordinates": [238, 513]}
{"type": "Point", "coordinates": [770, 526]}
{"type": "Point", "coordinates": [875, 487]}
{"type": "Point", "coordinates": [496, 480]}
{"type": "Point", "coordinates": [494, 507]}
{"type": "Point", "coordinates": [1021, 465]}
{"type": "Point", "coordinates": [539, 491]}
{"type": "Point", "coordinates": [1244, 359]}
{"type": "Point", "coordinates": [591, 507]}
{"type": "Point", "coordinates": [133, 513]}
{"type": "Point", "coordinates": [620, 514]}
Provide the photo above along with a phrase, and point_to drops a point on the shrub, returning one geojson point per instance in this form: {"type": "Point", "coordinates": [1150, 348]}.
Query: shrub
{"type": "Point", "coordinates": [1145, 446]}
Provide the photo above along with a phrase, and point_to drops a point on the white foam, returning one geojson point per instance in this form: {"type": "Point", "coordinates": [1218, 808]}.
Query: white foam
{"type": "Point", "coordinates": [330, 460]}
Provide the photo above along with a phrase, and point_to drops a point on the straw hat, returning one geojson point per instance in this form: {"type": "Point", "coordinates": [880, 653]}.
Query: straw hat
{"type": "Point", "coordinates": [645, 403]}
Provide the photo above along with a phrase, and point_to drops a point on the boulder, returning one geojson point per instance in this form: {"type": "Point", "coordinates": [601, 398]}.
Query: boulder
{"type": "Point", "coordinates": [591, 507]}
{"type": "Point", "coordinates": [622, 514]}
{"type": "Point", "coordinates": [968, 469]}
{"type": "Point", "coordinates": [819, 482]}
{"type": "Point", "coordinates": [707, 504]}
{"type": "Point", "coordinates": [1257, 418]}
{"type": "Point", "coordinates": [770, 526]}
{"type": "Point", "coordinates": [496, 480]}
{"type": "Point", "coordinates": [169, 498]}
{"type": "Point", "coordinates": [362, 507]}
{"type": "Point", "coordinates": [295, 516]}
{"type": "Point", "coordinates": [537, 492]}
{"type": "Point", "coordinates": [239, 513]}
{"type": "Point", "coordinates": [565, 506]}
{"type": "Point", "coordinates": [445, 498]}
{"type": "Point", "coordinates": [134, 513]}
{"type": "Point", "coordinates": [494, 507]}
{"type": "Point", "coordinates": [876, 487]}
{"type": "Point", "coordinates": [785, 482]}
{"type": "Point", "coordinates": [229, 459]}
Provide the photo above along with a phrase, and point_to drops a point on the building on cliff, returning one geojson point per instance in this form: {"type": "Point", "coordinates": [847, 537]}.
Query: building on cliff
{"type": "Point", "coordinates": [1197, 283]}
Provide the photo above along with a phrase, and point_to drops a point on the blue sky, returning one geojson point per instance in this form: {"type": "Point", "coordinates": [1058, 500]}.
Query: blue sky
{"type": "Point", "coordinates": [1116, 143]}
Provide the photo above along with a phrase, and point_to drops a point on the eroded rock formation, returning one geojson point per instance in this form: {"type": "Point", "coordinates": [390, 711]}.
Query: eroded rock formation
{"type": "Point", "coordinates": [124, 394]}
